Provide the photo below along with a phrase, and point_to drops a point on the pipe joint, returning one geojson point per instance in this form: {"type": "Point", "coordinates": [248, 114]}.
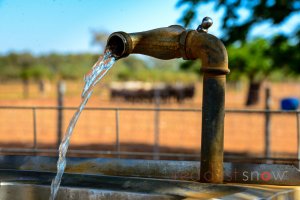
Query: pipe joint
{"type": "Point", "coordinates": [209, 49]}
{"type": "Point", "coordinates": [120, 44]}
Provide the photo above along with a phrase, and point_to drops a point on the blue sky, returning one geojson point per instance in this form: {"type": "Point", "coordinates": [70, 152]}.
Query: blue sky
{"type": "Point", "coordinates": [66, 26]}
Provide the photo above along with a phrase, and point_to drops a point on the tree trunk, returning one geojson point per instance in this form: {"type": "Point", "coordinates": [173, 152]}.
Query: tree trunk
{"type": "Point", "coordinates": [25, 88]}
{"type": "Point", "coordinates": [41, 84]}
{"type": "Point", "coordinates": [253, 93]}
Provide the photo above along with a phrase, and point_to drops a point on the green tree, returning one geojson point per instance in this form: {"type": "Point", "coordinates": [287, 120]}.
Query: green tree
{"type": "Point", "coordinates": [235, 26]}
{"type": "Point", "coordinates": [237, 32]}
{"type": "Point", "coordinates": [286, 54]}
{"type": "Point", "coordinates": [8, 68]}
{"type": "Point", "coordinates": [255, 56]}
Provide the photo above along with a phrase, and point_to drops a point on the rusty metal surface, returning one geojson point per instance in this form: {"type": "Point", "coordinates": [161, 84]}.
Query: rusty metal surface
{"type": "Point", "coordinates": [19, 185]}
{"type": "Point", "coordinates": [175, 42]}
{"type": "Point", "coordinates": [21, 191]}
{"type": "Point", "coordinates": [214, 60]}
{"type": "Point", "coordinates": [242, 173]}
{"type": "Point", "coordinates": [212, 140]}
{"type": "Point", "coordinates": [162, 43]}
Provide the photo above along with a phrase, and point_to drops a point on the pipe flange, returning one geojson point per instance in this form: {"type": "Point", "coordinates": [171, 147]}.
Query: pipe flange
{"type": "Point", "coordinates": [182, 41]}
{"type": "Point", "coordinates": [215, 70]}
{"type": "Point", "coordinates": [120, 44]}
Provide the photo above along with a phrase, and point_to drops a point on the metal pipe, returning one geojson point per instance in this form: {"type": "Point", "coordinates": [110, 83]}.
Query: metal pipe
{"type": "Point", "coordinates": [175, 42]}
{"type": "Point", "coordinates": [214, 60]}
{"type": "Point", "coordinates": [161, 169]}
{"type": "Point", "coordinates": [34, 128]}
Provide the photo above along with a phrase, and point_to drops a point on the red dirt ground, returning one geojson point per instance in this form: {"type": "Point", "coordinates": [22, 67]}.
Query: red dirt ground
{"type": "Point", "coordinates": [244, 133]}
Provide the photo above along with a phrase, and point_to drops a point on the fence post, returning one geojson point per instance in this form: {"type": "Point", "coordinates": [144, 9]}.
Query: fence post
{"type": "Point", "coordinates": [267, 123]}
{"type": "Point", "coordinates": [34, 128]}
{"type": "Point", "coordinates": [298, 136]}
{"type": "Point", "coordinates": [117, 133]}
{"type": "Point", "coordinates": [156, 124]}
{"type": "Point", "coordinates": [61, 88]}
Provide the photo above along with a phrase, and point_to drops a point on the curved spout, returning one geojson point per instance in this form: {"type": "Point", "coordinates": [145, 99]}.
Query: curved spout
{"type": "Point", "coordinates": [175, 42]}
{"type": "Point", "coordinates": [209, 49]}
{"type": "Point", "coordinates": [162, 43]}
{"type": "Point", "coordinates": [172, 42]}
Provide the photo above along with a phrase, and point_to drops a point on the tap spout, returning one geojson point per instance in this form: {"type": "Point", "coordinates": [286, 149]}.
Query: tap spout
{"type": "Point", "coordinates": [162, 43]}
{"type": "Point", "coordinates": [176, 42]}
{"type": "Point", "coordinates": [172, 42]}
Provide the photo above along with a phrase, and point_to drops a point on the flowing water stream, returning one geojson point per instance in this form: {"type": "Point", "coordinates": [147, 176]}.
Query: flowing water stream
{"type": "Point", "coordinates": [98, 71]}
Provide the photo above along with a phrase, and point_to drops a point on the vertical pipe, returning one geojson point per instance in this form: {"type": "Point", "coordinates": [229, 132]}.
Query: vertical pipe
{"type": "Point", "coordinates": [212, 142]}
{"type": "Point", "coordinates": [267, 123]}
{"type": "Point", "coordinates": [34, 128]}
{"type": "Point", "coordinates": [117, 133]}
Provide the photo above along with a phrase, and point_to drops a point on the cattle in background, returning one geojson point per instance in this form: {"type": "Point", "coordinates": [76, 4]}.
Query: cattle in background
{"type": "Point", "coordinates": [147, 92]}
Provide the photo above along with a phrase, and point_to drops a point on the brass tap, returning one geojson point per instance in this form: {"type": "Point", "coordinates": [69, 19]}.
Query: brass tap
{"type": "Point", "coordinates": [177, 42]}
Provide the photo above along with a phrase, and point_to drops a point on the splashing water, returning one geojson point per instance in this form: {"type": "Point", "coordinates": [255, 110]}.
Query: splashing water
{"type": "Point", "coordinates": [98, 71]}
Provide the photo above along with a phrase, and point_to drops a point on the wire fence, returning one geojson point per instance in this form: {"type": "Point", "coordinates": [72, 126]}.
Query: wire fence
{"type": "Point", "coordinates": [158, 132]}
